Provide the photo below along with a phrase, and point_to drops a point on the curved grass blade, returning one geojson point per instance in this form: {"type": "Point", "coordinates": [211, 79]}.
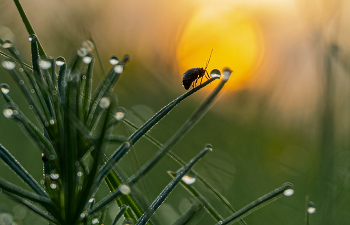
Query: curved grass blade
{"type": "Point", "coordinates": [177, 159]}
{"type": "Point", "coordinates": [260, 202]}
{"type": "Point", "coordinates": [87, 89]}
{"type": "Point", "coordinates": [30, 206]}
{"type": "Point", "coordinates": [16, 190]}
{"type": "Point", "coordinates": [123, 149]}
{"type": "Point", "coordinates": [121, 212]}
{"type": "Point", "coordinates": [28, 96]}
{"type": "Point", "coordinates": [6, 156]}
{"type": "Point", "coordinates": [168, 189]}
{"type": "Point", "coordinates": [28, 26]}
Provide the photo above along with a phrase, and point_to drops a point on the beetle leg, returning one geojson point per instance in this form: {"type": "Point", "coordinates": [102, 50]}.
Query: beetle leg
{"type": "Point", "coordinates": [207, 75]}
{"type": "Point", "coordinates": [201, 81]}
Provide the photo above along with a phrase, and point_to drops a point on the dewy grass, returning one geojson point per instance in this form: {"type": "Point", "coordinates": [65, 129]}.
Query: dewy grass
{"type": "Point", "coordinates": [74, 122]}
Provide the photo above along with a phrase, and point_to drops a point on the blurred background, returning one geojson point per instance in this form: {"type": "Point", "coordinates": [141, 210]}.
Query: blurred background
{"type": "Point", "coordinates": [282, 117]}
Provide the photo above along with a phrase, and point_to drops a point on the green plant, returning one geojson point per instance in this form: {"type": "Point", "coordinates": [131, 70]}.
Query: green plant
{"type": "Point", "coordinates": [76, 123]}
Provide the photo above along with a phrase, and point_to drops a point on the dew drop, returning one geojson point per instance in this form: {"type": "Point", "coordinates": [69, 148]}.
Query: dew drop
{"type": "Point", "coordinates": [80, 188]}
{"type": "Point", "coordinates": [82, 215]}
{"type": "Point", "coordinates": [54, 176]}
{"type": "Point", "coordinates": [120, 114]}
{"type": "Point", "coordinates": [54, 92]}
{"type": "Point", "coordinates": [31, 107]}
{"type": "Point", "coordinates": [87, 59]}
{"type": "Point", "coordinates": [114, 60]}
{"type": "Point", "coordinates": [60, 61]}
{"type": "Point", "coordinates": [215, 73]}
{"type": "Point", "coordinates": [32, 90]}
{"type": "Point", "coordinates": [189, 178]}
{"type": "Point", "coordinates": [7, 44]}
{"type": "Point", "coordinates": [118, 69]}
{"type": "Point", "coordinates": [53, 186]}
{"type": "Point", "coordinates": [42, 182]}
{"type": "Point", "coordinates": [83, 77]}
{"type": "Point", "coordinates": [227, 72]}
{"type": "Point", "coordinates": [288, 192]}
{"type": "Point", "coordinates": [44, 64]}
{"type": "Point", "coordinates": [21, 69]}
{"type": "Point", "coordinates": [79, 174]}
{"type": "Point", "coordinates": [125, 189]}
{"type": "Point", "coordinates": [105, 102]}
{"type": "Point", "coordinates": [21, 82]}
{"type": "Point", "coordinates": [82, 51]}
{"type": "Point", "coordinates": [52, 122]}
{"type": "Point", "coordinates": [5, 88]}
{"type": "Point", "coordinates": [311, 209]}
{"type": "Point", "coordinates": [8, 113]}
{"type": "Point", "coordinates": [8, 64]}
{"type": "Point", "coordinates": [88, 45]}
{"type": "Point", "coordinates": [32, 37]}
{"type": "Point", "coordinates": [91, 200]}
{"type": "Point", "coordinates": [94, 221]}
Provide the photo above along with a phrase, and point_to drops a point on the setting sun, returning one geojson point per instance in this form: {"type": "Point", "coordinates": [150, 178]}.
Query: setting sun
{"type": "Point", "coordinates": [233, 35]}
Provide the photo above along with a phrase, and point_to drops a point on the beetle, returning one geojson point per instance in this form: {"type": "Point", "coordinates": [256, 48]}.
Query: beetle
{"type": "Point", "coordinates": [192, 76]}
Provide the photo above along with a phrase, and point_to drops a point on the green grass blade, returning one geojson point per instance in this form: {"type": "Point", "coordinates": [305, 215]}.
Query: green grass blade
{"type": "Point", "coordinates": [6, 156]}
{"type": "Point", "coordinates": [121, 212]}
{"type": "Point", "coordinates": [30, 206]}
{"type": "Point", "coordinates": [87, 88]}
{"type": "Point", "coordinates": [123, 149]}
{"type": "Point", "coordinates": [194, 118]}
{"type": "Point", "coordinates": [28, 26]}
{"type": "Point", "coordinates": [16, 190]}
{"type": "Point", "coordinates": [273, 195]}
{"type": "Point", "coordinates": [177, 159]}
{"type": "Point", "coordinates": [168, 189]}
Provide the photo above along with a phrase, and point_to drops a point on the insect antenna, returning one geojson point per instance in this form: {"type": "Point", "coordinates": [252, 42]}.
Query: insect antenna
{"type": "Point", "coordinates": [208, 60]}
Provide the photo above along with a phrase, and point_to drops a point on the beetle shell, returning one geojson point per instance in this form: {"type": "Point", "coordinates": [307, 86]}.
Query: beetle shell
{"type": "Point", "coordinates": [192, 75]}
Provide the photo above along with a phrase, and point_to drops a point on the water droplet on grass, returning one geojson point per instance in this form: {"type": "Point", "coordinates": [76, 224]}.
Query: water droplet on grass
{"type": "Point", "coordinates": [44, 64]}
{"type": "Point", "coordinates": [94, 221]}
{"type": "Point", "coordinates": [60, 61]}
{"type": "Point", "coordinates": [82, 215]}
{"type": "Point", "coordinates": [215, 73]}
{"type": "Point", "coordinates": [227, 72]}
{"type": "Point", "coordinates": [8, 113]}
{"type": "Point", "coordinates": [87, 59]}
{"type": "Point", "coordinates": [114, 60]}
{"type": "Point", "coordinates": [91, 200]}
{"type": "Point", "coordinates": [118, 69]}
{"type": "Point", "coordinates": [32, 38]}
{"type": "Point", "coordinates": [120, 114]}
{"type": "Point", "coordinates": [5, 88]}
{"type": "Point", "coordinates": [189, 178]}
{"type": "Point", "coordinates": [311, 209]}
{"type": "Point", "coordinates": [125, 189]}
{"type": "Point", "coordinates": [7, 44]}
{"type": "Point", "coordinates": [105, 102]}
{"type": "Point", "coordinates": [288, 192]}
{"type": "Point", "coordinates": [8, 64]}
{"type": "Point", "coordinates": [53, 186]}
{"type": "Point", "coordinates": [54, 176]}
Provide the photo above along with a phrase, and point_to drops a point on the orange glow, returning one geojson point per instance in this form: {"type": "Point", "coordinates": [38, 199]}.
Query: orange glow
{"type": "Point", "coordinates": [233, 35]}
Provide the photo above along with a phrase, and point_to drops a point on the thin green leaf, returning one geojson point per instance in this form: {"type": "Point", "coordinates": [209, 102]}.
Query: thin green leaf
{"type": "Point", "coordinates": [168, 189]}
{"type": "Point", "coordinates": [184, 219]}
{"type": "Point", "coordinates": [121, 212]}
{"type": "Point", "coordinates": [30, 206]}
{"type": "Point", "coordinates": [16, 190]}
{"type": "Point", "coordinates": [6, 156]}
{"type": "Point", "coordinates": [28, 26]}
{"type": "Point", "coordinates": [260, 202]}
